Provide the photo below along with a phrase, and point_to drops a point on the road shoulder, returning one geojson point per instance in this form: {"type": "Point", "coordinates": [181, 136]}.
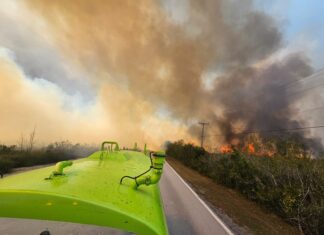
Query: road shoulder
{"type": "Point", "coordinates": [240, 214]}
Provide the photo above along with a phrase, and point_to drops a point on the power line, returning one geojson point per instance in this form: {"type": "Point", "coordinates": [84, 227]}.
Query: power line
{"type": "Point", "coordinates": [304, 78]}
{"type": "Point", "coordinates": [277, 130]}
{"type": "Point", "coordinates": [295, 93]}
{"type": "Point", "coordinates": [297, 112]}
{"type": "Point", "coordinates": [287, 85]}
{"type": "Point", "coordinates": [314, 75]}
{"type": "Point", "coordinates": [307, 89]}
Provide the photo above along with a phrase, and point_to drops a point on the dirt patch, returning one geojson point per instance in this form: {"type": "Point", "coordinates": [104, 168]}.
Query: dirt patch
{"type": "Point", "coordinates": [247, 214]}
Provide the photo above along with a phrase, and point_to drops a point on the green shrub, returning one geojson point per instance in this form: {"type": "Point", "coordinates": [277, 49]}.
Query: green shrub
{"type": "Point", "coordinates": [5, 165]}
{"type": "Point", "coordinates": [10, 157]}
{"type": "Point", "coordinates": [291, 186]}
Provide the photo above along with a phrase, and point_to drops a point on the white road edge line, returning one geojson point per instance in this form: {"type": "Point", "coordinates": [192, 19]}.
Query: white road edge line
{"type": "Point", "coordinates": [203, 203]}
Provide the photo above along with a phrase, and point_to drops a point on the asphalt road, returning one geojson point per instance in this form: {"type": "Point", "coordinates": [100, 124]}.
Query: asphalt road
{"type": "Point", "coordinates": [186, 214]}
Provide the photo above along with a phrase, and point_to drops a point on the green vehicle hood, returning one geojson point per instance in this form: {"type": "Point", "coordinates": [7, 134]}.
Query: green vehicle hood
{"type": "Point", "coordinates": [88, 192]}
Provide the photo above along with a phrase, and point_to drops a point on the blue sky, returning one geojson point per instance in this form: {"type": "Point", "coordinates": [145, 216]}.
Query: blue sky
{"type": "Point", "coordinates": [301, 20]}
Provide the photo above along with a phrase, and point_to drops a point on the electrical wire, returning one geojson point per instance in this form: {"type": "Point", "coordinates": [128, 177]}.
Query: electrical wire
{"type": "Point", "coordinates": [287, 85]}
{"type": "Point", "coordinates": [270, 131]}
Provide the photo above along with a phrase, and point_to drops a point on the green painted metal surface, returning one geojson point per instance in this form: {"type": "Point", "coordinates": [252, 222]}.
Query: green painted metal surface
{"type": "Point", "coordinates": [88, 192]}
{"type": "Point", "coordinates": [152, 175]}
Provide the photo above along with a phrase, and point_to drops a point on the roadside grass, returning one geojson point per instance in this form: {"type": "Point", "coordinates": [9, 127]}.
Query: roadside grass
{"type": "Point", "coordinates": [287, 184]}
{"type": "Point", "coordinates": [247, 214]}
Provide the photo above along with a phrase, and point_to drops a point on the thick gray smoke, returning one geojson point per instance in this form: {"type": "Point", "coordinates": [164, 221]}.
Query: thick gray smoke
{"type": "Point", "coordinates": [139, 46]}
{"type": "Point", "coordinates": [250, 98]}
{"type": "Point", "coordinates": [263, 101]}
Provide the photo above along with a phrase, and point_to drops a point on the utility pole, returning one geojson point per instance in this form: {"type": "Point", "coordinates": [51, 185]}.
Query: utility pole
{"type": "Point", "coordinates": [203, 124]}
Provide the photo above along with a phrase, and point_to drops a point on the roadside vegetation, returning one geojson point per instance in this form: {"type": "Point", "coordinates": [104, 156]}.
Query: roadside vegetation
{"type": "Point", "coordinates": [25, 154]}
{"type": "Point", "coordinates": [289, 183]}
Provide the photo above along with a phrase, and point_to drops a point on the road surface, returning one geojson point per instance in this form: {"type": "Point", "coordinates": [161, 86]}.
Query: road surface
{"type": "Point", "coordinates": [186, 214]}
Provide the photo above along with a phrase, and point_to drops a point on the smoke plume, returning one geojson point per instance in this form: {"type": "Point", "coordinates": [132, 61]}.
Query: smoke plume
{"type": "Point", "coordinates": [155, 75]}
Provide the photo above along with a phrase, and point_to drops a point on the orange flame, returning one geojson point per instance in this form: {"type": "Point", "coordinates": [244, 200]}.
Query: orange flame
{"type": "Point", "coordinates": [226, 149]}
{"type": "Point", "coordinates": [251, 148]}
{"type": "Point", "coordinates": [270, 153]}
